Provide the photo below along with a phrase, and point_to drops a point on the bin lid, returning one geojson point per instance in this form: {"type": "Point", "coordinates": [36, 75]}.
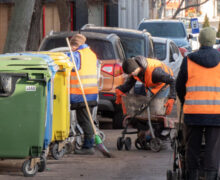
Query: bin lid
{"type": "Point", "coordinates": [52, 66]}
{"type": "Point", "coordinates": [15, 63]}
{"type": "Point", "coordinates": [59, 58]}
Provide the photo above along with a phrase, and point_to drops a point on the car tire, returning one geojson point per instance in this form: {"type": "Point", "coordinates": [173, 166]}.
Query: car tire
{"type": "Point", "coordinates": [117, 118]}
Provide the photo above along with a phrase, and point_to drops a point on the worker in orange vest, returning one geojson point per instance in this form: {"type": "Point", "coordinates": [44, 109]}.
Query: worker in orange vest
{"type": "Point", "coordinates": [198, 88]}
{"type": "Point", "coordinates": [153, 73]}
{"type": "Point", "coordinates": [84, 58]}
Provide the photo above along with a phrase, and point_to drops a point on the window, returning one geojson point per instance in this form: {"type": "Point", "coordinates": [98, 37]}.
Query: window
{"type": "Point", "coordinates": [160, 51]}
{"type": "Point", "coordinates": [165, 29]}
{"type": "Point", "coordinates": [133, 47]}
{"type": "Point", "coordinates": [103, 49]}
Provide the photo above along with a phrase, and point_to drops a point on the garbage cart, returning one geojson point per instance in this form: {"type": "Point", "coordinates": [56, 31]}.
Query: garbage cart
{"type": "Point", "coordinates": [23, 102]}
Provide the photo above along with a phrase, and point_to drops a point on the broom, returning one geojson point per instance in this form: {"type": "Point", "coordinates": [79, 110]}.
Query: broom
{"type": "Point", "coordinates": [98, 140]}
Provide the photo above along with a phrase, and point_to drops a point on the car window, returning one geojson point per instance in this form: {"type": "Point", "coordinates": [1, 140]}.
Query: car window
{"type": "Point", "coordinates": [133, 47]}
{"type": "Point", "coordinates": [160, 51]}
{"type": "Point", "coordinates": [173, 50]}
{"type": "Point", "coordinates": [174, 30]}
{"type": "Point", "coordinates": [103, 49]}
{"type": "Point", "coordinates": [150, 49]}
{"type": "Point", "coordinates": [52, 43]}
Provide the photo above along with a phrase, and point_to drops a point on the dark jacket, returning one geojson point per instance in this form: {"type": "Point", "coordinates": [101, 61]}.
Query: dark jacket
{"type": "Point", "coordinates": [158, 75]}
{"type": "Point", "coordinates": [206, 57]}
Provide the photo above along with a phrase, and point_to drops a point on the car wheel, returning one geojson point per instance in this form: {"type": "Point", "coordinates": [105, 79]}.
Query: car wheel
{"type": "Point", "coordinates": [117, 117]}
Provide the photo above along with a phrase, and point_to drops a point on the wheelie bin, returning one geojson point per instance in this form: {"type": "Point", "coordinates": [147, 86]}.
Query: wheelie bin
{"type": "Point", "coordinates": [61, 113]}
{"type": "Point", "coordinates": [23, 102]}
{"type": "Point", "coordinates": [50, 96]}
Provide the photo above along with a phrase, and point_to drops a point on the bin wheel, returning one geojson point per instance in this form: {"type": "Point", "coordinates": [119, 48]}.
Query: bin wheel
{"type": "Point", "coordinates": [27, 170]}
{"type": "Point", "coordinates": [120, 143]}
{"type": "Point", "coordinates": [128, 143]}
{"type": "Point", "coordinates": [42, 164]}
{"type": "Point", "coordinates": [155, 144]}
{"type": "Point", "coordinates": [57, 154]}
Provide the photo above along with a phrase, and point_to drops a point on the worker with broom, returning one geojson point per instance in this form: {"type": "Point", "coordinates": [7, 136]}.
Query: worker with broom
{"type": "Point", "coordinates": [86, 64]}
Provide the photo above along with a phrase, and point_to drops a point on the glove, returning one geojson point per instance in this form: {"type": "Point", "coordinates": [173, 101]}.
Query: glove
{"type": "Point", "coordinates": [169, 106]}
{"type": "Point", "coordinates": [118, 96]}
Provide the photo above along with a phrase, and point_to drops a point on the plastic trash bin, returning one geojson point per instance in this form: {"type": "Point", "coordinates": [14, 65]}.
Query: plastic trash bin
{"type": "Point", "coordinates": [50, 89]}
{"type": "Point", "coordinates": [23, 101]}
{"type": "Point", "coordinates": [61, 113]}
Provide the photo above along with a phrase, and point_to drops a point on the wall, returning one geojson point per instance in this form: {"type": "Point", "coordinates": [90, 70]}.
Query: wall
{"type": "Point", "coordinates": [131, 12]}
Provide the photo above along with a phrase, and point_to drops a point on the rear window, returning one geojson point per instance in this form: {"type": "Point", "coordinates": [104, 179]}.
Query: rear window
{"type": "Point", "coordinates": [174, 30]}
{"type": "Point", "coordinates": [54, 43]}
{"type": "Point", "coordinates": [103, 49]}
{"type": "Point", "coordinates": [133, 47]}
{"type": "Point", "coordinates": [160, 51]}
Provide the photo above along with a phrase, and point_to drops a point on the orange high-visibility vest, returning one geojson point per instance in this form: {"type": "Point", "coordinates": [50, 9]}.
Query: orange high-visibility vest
{"type": "Point", "coordinates": [151, 65]}
{"type": "Point", "coordinates": [88, 77]}
{"type": "Point", "coordinates": [202, 89]}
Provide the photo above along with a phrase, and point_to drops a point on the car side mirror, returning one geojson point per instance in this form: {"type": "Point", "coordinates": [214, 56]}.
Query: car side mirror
{"type": "Point", "coordinates": [174, 57]}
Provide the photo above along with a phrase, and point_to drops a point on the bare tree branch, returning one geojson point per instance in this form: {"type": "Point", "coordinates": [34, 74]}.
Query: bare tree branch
{"type": "Point", "coordinates": [186, 7]}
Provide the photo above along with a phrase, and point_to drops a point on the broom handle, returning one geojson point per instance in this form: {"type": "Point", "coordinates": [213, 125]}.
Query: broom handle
{"type": "Point", "coordinates": [81, 86]}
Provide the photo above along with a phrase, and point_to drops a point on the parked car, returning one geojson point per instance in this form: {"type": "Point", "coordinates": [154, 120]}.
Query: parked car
{"type": "Point", "coordinates": [172, 29]}
{"type": "Point", "coordinates": [109, 51]}
{"type": "Point", "coordinates": [133, 41]}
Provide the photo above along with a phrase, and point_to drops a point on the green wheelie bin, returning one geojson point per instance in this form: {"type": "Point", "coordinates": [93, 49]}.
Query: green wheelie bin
{"type": "Point", "coordinates": [23, 99]}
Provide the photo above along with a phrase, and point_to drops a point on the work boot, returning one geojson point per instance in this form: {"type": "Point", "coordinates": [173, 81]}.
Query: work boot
{"type": "Point", "coordinates": [85, 151]}
{"type": "Point", "coordinates": [87, 148]}
{"type": "Point", "coordinates": [211, 175]}
{"type": "Point", "coordinates": [192, 175]}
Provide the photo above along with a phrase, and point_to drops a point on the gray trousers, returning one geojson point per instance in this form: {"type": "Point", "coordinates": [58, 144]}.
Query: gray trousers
{"type": "Point", "coordinates": [193, 138]}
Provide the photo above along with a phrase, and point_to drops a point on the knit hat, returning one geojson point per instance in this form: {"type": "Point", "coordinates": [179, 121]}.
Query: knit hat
{"type": "Point", "coordinates": [129, 65]}
{"type": "Point", "coordinates": [78, 40]}
{"type": "Point", "coordinates": [207, 37]}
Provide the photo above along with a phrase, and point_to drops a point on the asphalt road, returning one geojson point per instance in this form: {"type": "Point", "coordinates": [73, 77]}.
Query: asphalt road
{"type": "Point", "coordinates": [134, 164]}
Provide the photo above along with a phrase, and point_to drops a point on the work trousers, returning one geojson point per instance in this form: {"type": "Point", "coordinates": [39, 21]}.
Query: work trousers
{"type": "Point", "coordinates": [194, 138]}
{"type": "Point", "coordinates": [84, 122]}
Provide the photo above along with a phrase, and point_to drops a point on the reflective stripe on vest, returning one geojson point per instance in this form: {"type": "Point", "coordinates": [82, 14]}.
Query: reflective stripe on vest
{"type": "Point", "coordinates": [202, 90]}
{"type": "Point", "coordinates": [151, 65]}
{"type": "Point", "coordinates": [87, 73]}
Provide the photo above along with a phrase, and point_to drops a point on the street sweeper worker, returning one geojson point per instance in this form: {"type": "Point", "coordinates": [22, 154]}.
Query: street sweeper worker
{"type": "Point", "coordinates": [198, 88]}
{"type": "Point", "coordinates": [154, 74]}
{"type": "Point", "coordinates": [86, 62]}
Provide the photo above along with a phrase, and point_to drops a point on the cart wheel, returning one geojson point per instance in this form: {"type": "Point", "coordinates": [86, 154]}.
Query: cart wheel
{"type": "Point", "coordinates": [78, 142]}
{"type": "Point", "coordinates": [127, 143]}
{"type": "Point", "coordinates": [120, 143]}
{"type": "Point", "coordinates": [155, 145]}
{"type": "Point", "coordinates": [42, 164]}
{"type": "Point", "coordinates": [26, 169]}
{"type": "Point", "coordinates": [138, 144]}
{"type": "Point", "coordinates": [57, 154]}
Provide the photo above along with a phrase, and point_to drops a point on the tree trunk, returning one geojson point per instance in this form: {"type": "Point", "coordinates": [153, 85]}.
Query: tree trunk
{"type": "Point", "coordinates": [161, 9]}
{"type": "Point", "coordinates": [35, 33]}
{"type": "Point", "coordinates": [64, 14]}
{"type": "Point", "coordinates": [19, 27]}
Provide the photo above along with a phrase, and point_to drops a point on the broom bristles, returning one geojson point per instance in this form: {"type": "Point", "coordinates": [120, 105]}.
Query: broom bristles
{"type": "Point", "coordinates": [103, 150]}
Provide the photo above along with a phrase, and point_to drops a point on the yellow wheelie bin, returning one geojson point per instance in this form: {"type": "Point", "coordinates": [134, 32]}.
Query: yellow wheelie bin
{"type": "Point", "coordinates": [61, 104]}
